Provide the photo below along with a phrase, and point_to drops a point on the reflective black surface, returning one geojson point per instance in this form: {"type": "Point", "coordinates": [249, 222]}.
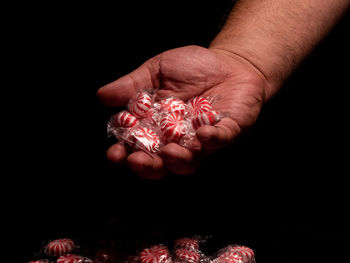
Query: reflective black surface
{"type": "Point", "coordinates": [280, 189]}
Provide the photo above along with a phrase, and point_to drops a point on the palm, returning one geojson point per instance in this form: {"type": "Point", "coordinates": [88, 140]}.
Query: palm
{"type": "Point", "coordinates": [236, 86]}
{"type": "Point", "coordinates": [194, 71]}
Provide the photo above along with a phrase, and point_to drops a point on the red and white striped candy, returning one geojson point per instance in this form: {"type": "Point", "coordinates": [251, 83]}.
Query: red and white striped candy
{"type": "Point", "coordinates": [143, 138]}
{"type": "Point", "coordinates": [187, 243]}
{"type": "Point", "coordinates": [246, 252]}
{"type": "Point", "coordinates": [155, 254]}
{"type": "Point", "coordinates": [172, 127]}
{"type": "Point", "coordinates": [125, 119]}
{"type": "Point", "coordinates": [185, 255]}
{"type": "Point", "coordinates": [173, 105]}
{"type": "Point", "coordinates": [59, 247]}
{"type": "Point", "coordinates": [200, 105]}
{"type": "Point", "coordinates": [140, 105]}
{"type": "Point", "coordinates": [70, 258]}
{"type": "Point", "coordinates": [237, 254]}
{"type": "Point", "coordinates": [205, 118]}
{"type": "Point", "coordinates": [230, 257]}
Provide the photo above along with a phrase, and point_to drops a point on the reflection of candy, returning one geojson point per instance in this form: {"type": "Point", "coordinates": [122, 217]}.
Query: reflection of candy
{"type": "Point", "coordinates": [172, 127]}
{"type": "Point", "coordinates": [40, 261]}
{"type": "Point", "coordinates": [155, 254]}
{"type": "Point", "coordinates": [125, 119]}
{"type": "Point", "coordinates": [205, 118]}
{"type": "Point", "coordinates": [140, 105]}
{"type": "Point", "coordinates": [185, 255]}
{"type": "Point", "coordinates": [200, 105]}
{"type": "Point", "coordinates": [59, 247]}
{"type": "Point", "coordinates": [70, 258]}
{"type": "Point", "coordinates": [173, 105]}
{"type": "Point", "coordinates": [187, 243]}
{"type": "Point", "coordinates": [143, 138]}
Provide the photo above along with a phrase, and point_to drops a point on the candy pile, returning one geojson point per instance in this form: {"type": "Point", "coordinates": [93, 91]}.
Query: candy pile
{"type": "Point", "coordinates": [148, 125]}
{"type": "Point", "coordinates": [60, 251]}
{"type": "Point", "coordinates": [182, 250]}
{"type": "Point", "coordinates": [187, 250]}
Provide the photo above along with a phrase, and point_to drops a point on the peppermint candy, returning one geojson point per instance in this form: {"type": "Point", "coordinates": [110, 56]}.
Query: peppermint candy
{"type": "Point", "coordinates": [143, 138]}
{"type": "Point", "coordinates": [230, 257]}
{"type": "Point", "coordinates": [187, 243]}
{"type": "Point", "coordinates": [200, 105]}
{"type": "Point", "coordinates": [155, 254]}
{"type": "Point", "coordinates": [246, 252]}
{"type": "Point", "coordinates": [173, 105]}
{"type": "Point", "coordinates": [172, 127]}
{"type": "Point", "coordinates": [125, 119]}
{"type": "Point", "coordinates": [59, 247]}
{"type": "Point", "coordinates": [140, 105]}
{"type": "Point", "coordinates": [70, 258]}
{"type": "Point", "coordinates": [185, 255]}
{"type": "Point", "coordinates": [236, 254]}
{"type": "Point", "coordinates": [205, 118]}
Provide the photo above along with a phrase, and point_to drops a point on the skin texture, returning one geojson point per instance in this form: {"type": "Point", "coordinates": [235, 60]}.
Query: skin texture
{"type": "Point", "coordinates": [260, 45]}
{"type": "Point", "coordinates": [188, 72]}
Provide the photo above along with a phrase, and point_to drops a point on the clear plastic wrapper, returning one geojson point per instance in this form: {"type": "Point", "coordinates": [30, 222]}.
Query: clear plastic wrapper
{"type": "Point", "coordinates": [120, 123]}
{"type": "Point", "coordinates": [172, 105]}
{"type": "Point", "coordinates": [144, 139]}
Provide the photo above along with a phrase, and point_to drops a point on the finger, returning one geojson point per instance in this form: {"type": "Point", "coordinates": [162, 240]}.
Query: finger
{"type": "Point", "coordinates": [118, 93]}
{"type": "Point", "coordinates": [180, 160]}
{"type": "Point", "coordinates": [146, 165]}
{"type": "Point", "coordinates": [117, 153]}
{"type": "Point", "coordinates": [218, 136]}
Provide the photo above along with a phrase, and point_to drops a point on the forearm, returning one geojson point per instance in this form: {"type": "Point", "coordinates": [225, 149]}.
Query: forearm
{"type": "Point", "coordinates": [275, 35]}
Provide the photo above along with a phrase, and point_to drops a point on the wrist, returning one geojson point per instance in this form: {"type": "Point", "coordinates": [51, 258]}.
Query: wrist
{"type": "Point", "coordinates": [269, 87]}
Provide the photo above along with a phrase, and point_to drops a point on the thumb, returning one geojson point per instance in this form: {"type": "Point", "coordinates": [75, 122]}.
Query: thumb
{"type": "Point", "coordinates": [218, 136]}
{"type": "Point", "coordinates": [118, 93]}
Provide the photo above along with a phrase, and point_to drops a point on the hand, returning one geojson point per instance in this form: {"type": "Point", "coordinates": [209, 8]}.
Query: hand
{"type": "Point", "coordinates": [188, 72]}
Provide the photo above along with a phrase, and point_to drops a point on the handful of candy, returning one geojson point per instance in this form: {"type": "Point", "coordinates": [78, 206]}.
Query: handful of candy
{"type": "Point", "coordinates": [148, 125]}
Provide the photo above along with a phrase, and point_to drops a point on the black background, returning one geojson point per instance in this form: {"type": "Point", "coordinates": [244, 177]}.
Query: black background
{"type": "Point", "coordinates": [280, 189]}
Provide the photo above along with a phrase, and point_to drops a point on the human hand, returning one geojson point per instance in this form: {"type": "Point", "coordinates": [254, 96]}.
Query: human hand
{"type": "Point", "coordinates": [185, 73]}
